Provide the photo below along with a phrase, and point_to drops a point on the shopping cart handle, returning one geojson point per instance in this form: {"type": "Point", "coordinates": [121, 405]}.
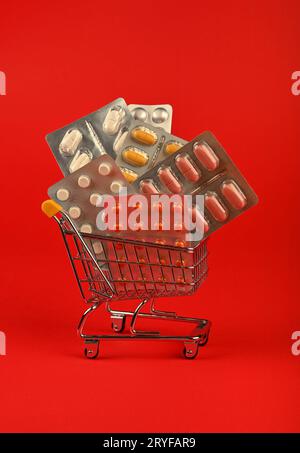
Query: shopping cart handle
{"type": "Point", "coordinates": [51, 208]}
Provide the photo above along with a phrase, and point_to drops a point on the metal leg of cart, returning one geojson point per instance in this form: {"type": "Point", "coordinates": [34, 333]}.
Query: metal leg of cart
{"type": "Point", "coordinates": [198, 337]}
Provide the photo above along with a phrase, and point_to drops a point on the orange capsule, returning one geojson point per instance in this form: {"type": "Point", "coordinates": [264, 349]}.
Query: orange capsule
{"type": "Point", "coordinates": [135, 156]}
{"type": "Point", "coordinates": [129, 175]}
{"type": "Point", "coordinates": [179, 243]}
{"type": "Point", "coordinates": [172, 147]}
{"type": "Point", "coordinates": [144, 135]}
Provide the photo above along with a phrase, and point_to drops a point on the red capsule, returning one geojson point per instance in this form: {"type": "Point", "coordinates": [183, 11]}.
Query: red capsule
{"type": "Point", "coordinates": [186, 168]}
{"type": "Point", "coordinates": [148, 187]}
{"type": "Point", "coordinates": [233, 194]}
{"type": "Point", "coordinates": [206, 156]}
{"type": "Point", "coordinates": [217, 210]}
{"type": "Point", "coordinates": [169, 180]}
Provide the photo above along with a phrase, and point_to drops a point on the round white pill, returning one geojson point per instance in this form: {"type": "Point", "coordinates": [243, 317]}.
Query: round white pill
{"type": "Point", "coordinates": [86, 228]}
{"type": "Point", "coordinates": [97, 246]}
{"type": "Point", "coordinates": [104, 169]}
{"type": "Point", "coordinates": [116, 186]}
{"type": "Point", "coordinates": [84, 181]}
{"type": "Point", "coordinates": [62, 194]}
{"type": "Point", "coordinates": [95, 199]}
{"type": "Point", "coordinates": [75, 212]}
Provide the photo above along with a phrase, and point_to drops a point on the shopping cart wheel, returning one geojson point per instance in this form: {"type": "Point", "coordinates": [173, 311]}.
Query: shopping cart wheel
{"type": "Point", "coordinates": [118, 323]}
{"type": "Point", "coordinates": [190, 350]}
{"type": "Point", "coordinates": [91, 351]}
{"type": "Point", "coordinates": [205, 339]}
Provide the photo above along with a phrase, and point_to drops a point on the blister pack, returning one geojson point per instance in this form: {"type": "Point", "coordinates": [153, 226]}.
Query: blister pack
{"type": "Point", "coordinates": [80, 192]}
{"type": "Point", "coordinates": [202, 167]}
{"type": "Point", "coordinates": [139, 146]}
{"type": "Point", "coordinates": [76, 144]}
{"type": "Point", "coordinates": [154, 219]}
{"type": "Point", "coordinates": [159, 115]}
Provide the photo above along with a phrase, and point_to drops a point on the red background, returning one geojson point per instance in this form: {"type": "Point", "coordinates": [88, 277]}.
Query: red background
{"type": "Point", "coordinates": [226, 67]}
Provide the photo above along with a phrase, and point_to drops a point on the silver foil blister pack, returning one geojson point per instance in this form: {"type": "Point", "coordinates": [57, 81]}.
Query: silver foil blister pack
{"type": "Point", "coordinates": [80, 192]}
{"type": "Point", "coordinates": [139, 146]}
{"type": "Point", "coordinates": [81, 141]}
{"type": "Point", "coordinates": [202, 167]}
{"type": "Point", "coordinates": [159, 115]}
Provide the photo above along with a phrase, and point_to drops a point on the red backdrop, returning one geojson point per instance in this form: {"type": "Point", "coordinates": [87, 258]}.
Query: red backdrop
{"type": "Point", "coordinates": [226, 67]}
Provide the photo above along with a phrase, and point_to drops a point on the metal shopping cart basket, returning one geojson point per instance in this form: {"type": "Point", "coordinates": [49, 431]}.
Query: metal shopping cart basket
{"type": "Point", "coordinates": [108, 269]}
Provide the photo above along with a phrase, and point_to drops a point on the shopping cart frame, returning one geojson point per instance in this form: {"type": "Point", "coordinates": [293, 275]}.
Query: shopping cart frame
{"type": "Point", "coordinates": [102, 288]}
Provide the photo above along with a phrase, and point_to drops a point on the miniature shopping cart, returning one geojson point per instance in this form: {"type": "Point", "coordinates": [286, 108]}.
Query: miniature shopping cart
{"type": "Point", "coordinates": [109, 269]}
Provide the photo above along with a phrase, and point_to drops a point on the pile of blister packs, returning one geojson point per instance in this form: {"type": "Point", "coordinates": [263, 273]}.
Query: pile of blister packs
{"type": "Point", "coordinates": [131, 146]}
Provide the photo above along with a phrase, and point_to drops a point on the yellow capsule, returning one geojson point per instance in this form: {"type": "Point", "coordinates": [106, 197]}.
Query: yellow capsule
{"type": "Point", "coordinates": [172, 147]}
{"type": "Point", "coordinates": [129, 175]}
{"type": "Point", "coordinates": [144, 135]}
{"type": "Point", "coordinates": [135, 156]}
